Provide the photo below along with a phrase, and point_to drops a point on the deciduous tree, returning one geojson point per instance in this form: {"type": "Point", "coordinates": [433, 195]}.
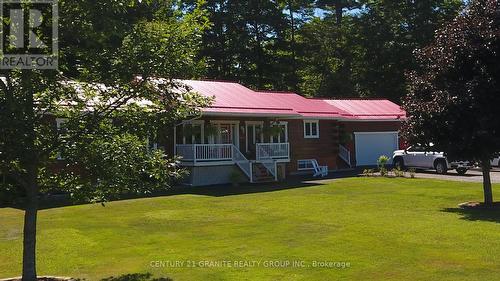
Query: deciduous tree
{"type": "Point", "coordinates": [109, 93]}
{"type": "Point", "coordinates": [454, 95]}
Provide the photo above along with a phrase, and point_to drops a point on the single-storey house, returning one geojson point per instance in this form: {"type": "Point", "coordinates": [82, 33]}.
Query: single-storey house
{"type": "Point", "coordinates": [266, 136]}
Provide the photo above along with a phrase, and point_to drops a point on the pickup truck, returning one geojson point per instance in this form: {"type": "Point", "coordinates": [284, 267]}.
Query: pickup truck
{"type": "Point", "coordinates": [417, 157]}
{"type": "Point", "coordinates": [496, 161]}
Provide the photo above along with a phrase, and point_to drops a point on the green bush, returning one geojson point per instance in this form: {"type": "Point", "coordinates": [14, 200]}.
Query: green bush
{"type": "Point", "coordinates": [412, 172]}
{"type": "Point", "coordinates": [368, 172]}
{"type": "Point", "coordinates": [399, 173]}
{"type": "Point", "coordinates": [381, 162]}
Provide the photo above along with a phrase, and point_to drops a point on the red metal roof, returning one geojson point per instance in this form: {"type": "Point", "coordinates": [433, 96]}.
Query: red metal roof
{"type": "Point", "coordinates": [234, 98]}
{"type": "Point", "coordinates": [305, 107]}
{"type": "Point", "coordinates": [366, 109]}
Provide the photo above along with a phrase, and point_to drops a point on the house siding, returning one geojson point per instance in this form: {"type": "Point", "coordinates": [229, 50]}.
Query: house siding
{"type": "Point", "coordinates": [325, 149]}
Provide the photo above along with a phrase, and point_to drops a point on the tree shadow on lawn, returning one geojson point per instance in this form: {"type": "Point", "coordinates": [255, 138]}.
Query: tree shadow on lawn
{"type": "Point", "coordinates": [62, 200]}
{"type": "Point", "coordinates": [449, 174]}
{"type": "Point", "coordinates": [491, 215]}
{"type": "Point", "coordinates": [137, 277]}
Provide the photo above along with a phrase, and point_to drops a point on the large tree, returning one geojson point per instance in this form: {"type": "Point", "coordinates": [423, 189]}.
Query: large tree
{"type": "Point", "coordinates": [454, 96]}
{"type": "Point", "coordinates": [369, 52]}
{"type": "Point", "coordinates": [388, 31]}
{"type": "Point", "coordinates": [109, 93]}
{"type": "Point", "coordinates": [252, 41]}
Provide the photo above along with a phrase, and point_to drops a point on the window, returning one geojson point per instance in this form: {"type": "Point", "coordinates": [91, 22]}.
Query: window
{"type": "Point", "coordinates": [193, 132]}
{"type": "Point", "coordinates": [282, 137]}
{"type": "Point", "coordinates": [254, 134]}
{"type": "Point", "coordinates": [304, 165]}
{"type": "Point", "coordinates": [311, 129]}
{"type": "Point", "coordinates": [227, 133]}
{"type": "Point", "coordinates": [416, 149]}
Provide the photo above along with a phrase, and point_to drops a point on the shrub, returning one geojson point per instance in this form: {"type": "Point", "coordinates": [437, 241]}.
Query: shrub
{"type": "Point", "coordinates": [368, 172]}
{"type": "Point", "coordinates": [382, 161]}
{"type": "Point", "coordinates": [399, 173]}
{"type": "Point", "coordinates": [412, 172]}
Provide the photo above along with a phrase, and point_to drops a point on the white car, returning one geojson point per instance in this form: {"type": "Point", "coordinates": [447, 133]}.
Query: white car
{"type": "Point", "coordinates": [496, 161]}
{"type": "Point", "coordinates": [417, 157]}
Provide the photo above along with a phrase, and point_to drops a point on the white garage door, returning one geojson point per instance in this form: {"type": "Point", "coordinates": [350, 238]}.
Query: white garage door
{"type": "Point", "coordinates": [370, 146]}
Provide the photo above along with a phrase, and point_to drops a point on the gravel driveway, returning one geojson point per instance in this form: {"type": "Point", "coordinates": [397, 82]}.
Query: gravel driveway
{"type": "Point", "coordinates": [474, 175]}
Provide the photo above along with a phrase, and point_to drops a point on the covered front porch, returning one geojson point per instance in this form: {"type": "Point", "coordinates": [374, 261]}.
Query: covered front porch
{"type": "Point", "coordinates": [213, 154]}
{"type": "Point", "coordinates": [255, 147]}
{"type": "Point", "coordinates": [217, 142]}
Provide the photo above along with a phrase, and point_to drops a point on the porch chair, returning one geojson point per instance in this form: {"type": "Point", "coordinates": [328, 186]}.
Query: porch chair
{"type": "Point", "coordinates": [319, 171]}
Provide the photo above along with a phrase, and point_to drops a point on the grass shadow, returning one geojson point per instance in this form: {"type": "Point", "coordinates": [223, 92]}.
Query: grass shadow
{"type": "Point", "coordinates": [62, 200]}
{"type": "Point", "coordinates": [491, 215]}
{"type": "Point", "coordinates": [137, 277]}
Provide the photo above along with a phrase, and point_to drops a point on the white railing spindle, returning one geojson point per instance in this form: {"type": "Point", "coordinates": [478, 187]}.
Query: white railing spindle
{"type": "Point", "coordinates": [266, 151]}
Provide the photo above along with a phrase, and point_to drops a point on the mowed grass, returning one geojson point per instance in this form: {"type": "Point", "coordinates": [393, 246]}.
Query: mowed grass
{"type": "Point", "coordinates": [386, 229]}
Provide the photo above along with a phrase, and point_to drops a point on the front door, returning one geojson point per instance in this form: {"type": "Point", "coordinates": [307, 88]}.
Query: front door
{"type": "Point", "coordinates": [254, 135]}
{"type": "Point", "coordinates": [227, 133]}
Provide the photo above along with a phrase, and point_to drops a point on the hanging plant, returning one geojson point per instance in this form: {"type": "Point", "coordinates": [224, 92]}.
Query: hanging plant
{"type": "Point", "coordinates": [273, 130]}
{"type": "Point", "coordinates": [211, 130]}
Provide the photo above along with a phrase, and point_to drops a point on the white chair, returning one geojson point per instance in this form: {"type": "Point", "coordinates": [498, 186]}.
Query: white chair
{"type": "Point", "coordinates": [319, 171]}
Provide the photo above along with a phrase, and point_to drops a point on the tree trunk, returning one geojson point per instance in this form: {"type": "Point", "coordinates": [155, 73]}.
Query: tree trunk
{"type": "Point", "coordinates": [488, 193]}
{"type": "Point", "coordinates": [292, 28]}
{"type": "Point", "coordinates": [338, 11]}
{"type": "Point", "coordinates": [293, 45]}
{"type": "Point", "coordinates": [30, 161]}
{"type": "Point", "coordinates": [29, 235]}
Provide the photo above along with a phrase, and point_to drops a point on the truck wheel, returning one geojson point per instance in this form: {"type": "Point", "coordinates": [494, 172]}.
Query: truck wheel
{"type": "Point", "coordinates": [441, 167]}
{"type": "Point", "coordinates": [461, 171]}
{"type": "Point", "coordinates": [399, 163]}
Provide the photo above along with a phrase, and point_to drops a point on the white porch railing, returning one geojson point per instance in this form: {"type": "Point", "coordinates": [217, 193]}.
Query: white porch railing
{"type": "Point", "coordinates": [205, 152]}
{"type": "Point", "coordinates": [266, 151]}
{"type": "Point", "coordinates": [186, 151]}
{"type": "Point", "coordinates": [215, 152]}
{"type": "Point", "coordinates": [243, 163]}
{"type": "Point", "coordinates": [345, 154]}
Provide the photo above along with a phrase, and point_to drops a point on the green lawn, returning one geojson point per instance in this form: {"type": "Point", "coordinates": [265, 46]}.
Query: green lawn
{"type": "Point", "coordinates": [387, 229]}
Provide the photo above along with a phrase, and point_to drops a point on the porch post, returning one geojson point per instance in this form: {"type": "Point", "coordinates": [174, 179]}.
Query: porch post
{"type": "Point", "coordinates": [276, 170]}
{"type": "Point", "coordinates": [194, 153]}
{"type": "Point", "coordinates": [251, 171]}
{"type": "Point", "coordinates": [288, 145]}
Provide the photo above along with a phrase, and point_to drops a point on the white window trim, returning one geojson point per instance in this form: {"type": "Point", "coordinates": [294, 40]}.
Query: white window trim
{"type": "Point", "coordinates": [317, 127]}
{"type": "Point", "coordinates": [227, 122]}
{"type": "Point", "coordinates": [195, 122]}
{"type": "Point", "coordinates": [304, 169]}
{"type": "Point", "coordinates": [253, 123]}
{"type": "Point", "coordinates": [281, 123]}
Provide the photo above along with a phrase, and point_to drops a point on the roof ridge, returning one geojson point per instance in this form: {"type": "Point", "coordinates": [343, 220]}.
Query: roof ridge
{"type": "Point", "coordinates": [275, 92]}
{"type": "Point", "coordinates": [214, 80]}
{"type": "Point", "coordinates": [351, 98]}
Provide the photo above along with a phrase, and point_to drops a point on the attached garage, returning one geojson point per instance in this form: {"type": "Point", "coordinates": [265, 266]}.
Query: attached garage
{"type": "Point", "coordinates": [371, 145]}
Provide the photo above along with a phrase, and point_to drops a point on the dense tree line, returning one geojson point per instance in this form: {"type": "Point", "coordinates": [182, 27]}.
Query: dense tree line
{"type": "Point", "coordinates": [330, 48]}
